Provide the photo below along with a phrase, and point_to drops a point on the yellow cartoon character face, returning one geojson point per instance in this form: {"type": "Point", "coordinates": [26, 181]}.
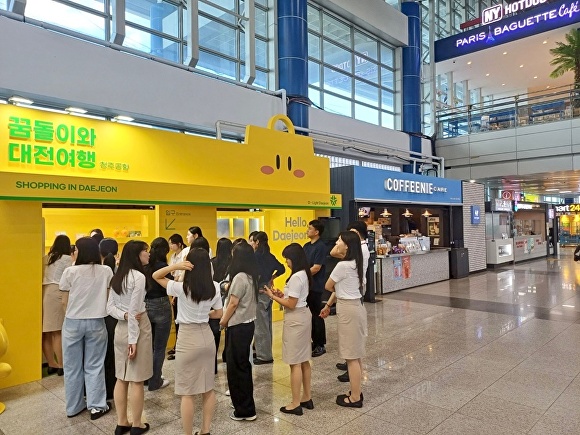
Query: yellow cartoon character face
{"type": "Point", "coordinates": [283, 164]}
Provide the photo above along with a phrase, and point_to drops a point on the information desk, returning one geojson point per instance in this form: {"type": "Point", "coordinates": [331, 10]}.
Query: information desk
{"type": "Point", "coordinates": [401, 271]}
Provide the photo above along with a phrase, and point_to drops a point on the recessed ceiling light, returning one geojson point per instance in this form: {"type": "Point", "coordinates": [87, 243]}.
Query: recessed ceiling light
{"type": "Point", "coordinates": [487, 75]}
{"type": "Point", "coordinates": [472, 181]}
{"type": "Point", "coordinates": [20, 100]}
{"type": "Point", "coordinates": [521, 66]}
{"type": "Point", "coordinates": [503, 84]}
{"type": "Point", "coordinates": [505, 52]}
{"type": "Point", "coordinates": [565, 191]}
{"type": "Point", "coordinates": [76, 110]}
{"type": "Point", "coordinates": [535, 77]}
{"type": "Point", "coordinates": [123, 118]}
{"type": "Point", "coordinates": [544, 42]}
{"type": "Point", "coordinates": [551, 190]}
{"type": "Point", "coordinates": [469, 63]}
{"type": "Point", "coordinates": [548, 87]}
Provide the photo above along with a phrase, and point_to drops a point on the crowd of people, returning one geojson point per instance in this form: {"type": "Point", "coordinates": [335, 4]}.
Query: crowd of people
{"type": "Point", "coordinates": [107, 320]}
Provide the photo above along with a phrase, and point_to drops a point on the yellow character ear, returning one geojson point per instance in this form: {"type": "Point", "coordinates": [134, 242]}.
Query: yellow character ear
{"type": "Point", "coordinates": [285, 120]}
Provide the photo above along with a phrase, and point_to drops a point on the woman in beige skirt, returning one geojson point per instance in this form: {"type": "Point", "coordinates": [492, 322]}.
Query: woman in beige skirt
{"type": "Point", "coordinates": [346, 283]}
{"type": "Point", "coordinates": [133, 347]}
{"type": "Point", "coordinates": [198, 300]}
{"type": "Point", "coordinates": [296, 347]}
{"type": "Point", "coordinates": [57, 260]}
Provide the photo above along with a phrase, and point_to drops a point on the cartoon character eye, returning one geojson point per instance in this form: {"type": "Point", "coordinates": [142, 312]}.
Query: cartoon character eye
{"type": "Point", "coordinates": [289, 163]}
{"type": "Point", "coordinates": [277, 161]}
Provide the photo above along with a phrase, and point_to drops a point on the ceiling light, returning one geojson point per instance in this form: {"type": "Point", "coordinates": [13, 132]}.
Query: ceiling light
{"type": "Point", "coordinates": [522, 65]}
{"type": "Point", "coordinates": [548, 87]}
{"type": "Point", "coordinates": [535, 77]}
{"type": "Point", "coordinates": [385, 213]}
{"type": "Point", "coordinates": [544, 42]}
{"type": "Point", "coordinates": [503, 84]}
{"type": "Point", "coordinates": [407, 213]}
{"type": "Point", "coordinates": [123, 118]}
{"type": "Point", "coordinates": [505, 52]}
{"type": "Point", "coordinates": [469, 63]}
{"type": "Point", "coordinates": [565, 191]}
{"type": "Point", "coordinates": [552, 190]}
{"type": "Point", "coordinates": [472, 181]}
{"type": "Point", "coordinates": [426, 214]}
{"type": "Point", "coordinates": [20, 100]}
{"type": "Point", "coordinates": [76, 110]}
{"type": "Point", "coordinates": [487, 75]}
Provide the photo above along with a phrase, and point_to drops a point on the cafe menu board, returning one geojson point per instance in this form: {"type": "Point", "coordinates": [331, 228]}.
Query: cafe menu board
{"type": "Point", "coordinates": [433, 226]}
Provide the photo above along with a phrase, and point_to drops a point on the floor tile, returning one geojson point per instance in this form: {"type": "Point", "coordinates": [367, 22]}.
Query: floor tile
{"type": "Point", "coordinates": [461, 424]}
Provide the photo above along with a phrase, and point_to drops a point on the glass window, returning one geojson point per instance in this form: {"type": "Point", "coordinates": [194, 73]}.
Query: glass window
{"type": "Point", "coordinates": [366, 93]}
{"type": "Point", "coordinates": [152, 44]}
{"type": "Point", "coordinates": [218, 65]}
{"type": "Point", "coordinates": [337, 56]}
{"type": "Point", "coordinates": [314, 19]}
{"type": "Point", "coordinates": [387, 100]}
{"type": "Point", "coordinates": [387, 56]}
{"type": "Point", "coordinates": [313, 46]}
{"type": "Point", "coordinates": [367, 114]}
{"type": "Point", "coordinates": [337, 82]}
{"type": "Point", "coordinates": [261, 53]}
{"type": "Point", "coordinates": [97, 5]}
{"type": "Point", "coordinates": [53, 12]}
{"type": "Point", "coordinates": [217, 37]}
{"type": "Point", "coordinates": [336, 30]}
{"type": "Point", "coordinates": [388, 120]}
{"type": "Point", "coordinates": [261, 79]}
{"type": "Point", "coordinates": [365, 45]}
{"type": "Point", "coordinates": [261, 22]}
{"type": "Point", "coordinates": [337, 105]}
{"type": "Point", "coordinates": [160, 16]}
{"type": "Point", "coordinates": [387, 78]}
{"type": "Point", "coordinates": [366, 69]}
{"type": "Point", "coordinates": [314, 95]}
{"type": "Point", "coordinates": [313, 73]}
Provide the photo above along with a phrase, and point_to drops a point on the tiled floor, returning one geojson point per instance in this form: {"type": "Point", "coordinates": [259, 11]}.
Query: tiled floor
{"type": "Point", "coordinates": [495, 353]}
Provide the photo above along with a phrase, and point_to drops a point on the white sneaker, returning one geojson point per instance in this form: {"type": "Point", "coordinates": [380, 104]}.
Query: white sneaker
{"type": "Point", "coordinates": [227, 392]}
{"type": "Point", "coordinates": [164, 384]}
{"type": "Point", "coordinates": [236, 418]}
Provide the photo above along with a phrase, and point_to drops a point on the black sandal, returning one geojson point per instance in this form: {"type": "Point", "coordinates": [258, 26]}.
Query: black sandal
{"type": "Point", "coordinates": [340, 400]}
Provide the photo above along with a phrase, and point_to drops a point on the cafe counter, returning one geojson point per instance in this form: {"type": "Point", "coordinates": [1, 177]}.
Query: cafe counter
{"type": "Point", "coordinates": [402, 271]}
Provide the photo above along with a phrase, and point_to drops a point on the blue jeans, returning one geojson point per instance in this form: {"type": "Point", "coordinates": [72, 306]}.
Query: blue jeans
{"type": "Point", "coordinates": [84, 344]}
{"type": "Point", "coordinates": [159, 313]}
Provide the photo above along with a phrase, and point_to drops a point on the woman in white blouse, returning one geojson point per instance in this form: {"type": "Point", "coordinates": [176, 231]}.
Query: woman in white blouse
{"type": "Point", "coordinates": [198, 299]}
{"type": "Point", "coordinates": [346, 283]}
{"type": "Point", "coordinates": [133, 346]}
{"type": "Point", "coordinates": [57, 260]}
{"type": "Point", "coordinates": [296, 347]}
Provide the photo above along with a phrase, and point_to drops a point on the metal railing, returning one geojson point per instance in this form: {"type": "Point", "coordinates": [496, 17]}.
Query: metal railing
{"type": "Point", "coordinates": [510, 112]}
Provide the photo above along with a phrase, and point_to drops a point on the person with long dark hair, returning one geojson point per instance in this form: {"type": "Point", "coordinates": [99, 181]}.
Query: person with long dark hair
{"type": "Point", "coordinates": [109, 248]}
{"type": "Point", "coordinates": [346, 284]}
{"type": "Point", "coordinates": [268, 269]}
{"type": "Point", "coordinates": [199, 300]}
{"type": "Point", "coordinates": [176, 246]}
{"type": "Point", "coordinates": [84, 336]}
{"type": "Point", "coordinates": [239, 317]}
{"type": "Point", "coordinates": [57, 260]}
{"type": "Point", "coordinates": [296, 348]}
{"type": "Point", "coordinates": [223, 258]}
{"type": "Point", "coordinates": [133, 342]}
{"type": "Point", "coordinates": [158, 310]}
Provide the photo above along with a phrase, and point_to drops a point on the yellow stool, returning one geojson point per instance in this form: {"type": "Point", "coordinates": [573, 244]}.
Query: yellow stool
{"type": "Point", "coordinates": [5, 369]}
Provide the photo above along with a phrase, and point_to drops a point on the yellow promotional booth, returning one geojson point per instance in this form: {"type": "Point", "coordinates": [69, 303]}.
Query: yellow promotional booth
{"type": "Point", "coordinates": [64, 174]}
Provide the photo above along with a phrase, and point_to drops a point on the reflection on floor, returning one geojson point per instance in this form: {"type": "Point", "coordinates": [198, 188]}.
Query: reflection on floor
{"type": "Point", "coordinates": [495, 353]}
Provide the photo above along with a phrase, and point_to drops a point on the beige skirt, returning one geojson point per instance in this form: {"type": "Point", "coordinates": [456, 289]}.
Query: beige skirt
{"type": "Point", "coordinates": [194, 359]}
{"type": "Point", "coordinates": [296, 346]}
{"type": "Point", "coordinates": [52, 310]}
{"type": "Point", "coordinates": [141, 368]}
{"type": "Point", "coordinates": [352, 328]}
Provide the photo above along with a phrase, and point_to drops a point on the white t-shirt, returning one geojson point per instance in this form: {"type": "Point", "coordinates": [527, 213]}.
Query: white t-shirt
{"type": "Point", "coordinates": [53, 272]}
{"type": "Point", "coordinates": [366, 255]}
{"type": "Point", "coordinates": [87, 285]}
{"type": "Point", "coordinates": [297, 287]}
{"type": "Point", "coordinates": [189, 311]}
{"type": "Point", "coordinates": [175, 258]}
{"type": "Point", "coordinates": [346, 280]}
{"type": "Point", "coordinates": [131, 300]}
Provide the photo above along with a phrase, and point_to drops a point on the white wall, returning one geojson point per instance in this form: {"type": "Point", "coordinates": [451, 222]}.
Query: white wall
{"type": "Point", "coordinates": [384, 20]}
{"type": "Point", "coordinates": [518, 151]}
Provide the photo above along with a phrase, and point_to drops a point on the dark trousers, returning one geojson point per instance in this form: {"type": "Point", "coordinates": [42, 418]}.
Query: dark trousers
{"type": "Point", "coordinates": [239, 339]}
{"type": "Point", "coordinates": [318, 334]}
{"type": "Point", "coordinates": [110, 379]}
{"type": "Point", "coordinates": [159, 313]}
{"type": "Point", "coordinates": [174, 307]}
{"type": "Point", "coordinates": [214, 324]}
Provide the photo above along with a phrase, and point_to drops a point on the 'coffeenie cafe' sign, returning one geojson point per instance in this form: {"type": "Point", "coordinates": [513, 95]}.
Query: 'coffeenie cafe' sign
{"type": "Point", "coordinates": [530, 17]}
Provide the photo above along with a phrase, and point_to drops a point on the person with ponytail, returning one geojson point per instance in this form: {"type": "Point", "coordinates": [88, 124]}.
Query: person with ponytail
{"type": "Point", "coordinates": [133, 342]}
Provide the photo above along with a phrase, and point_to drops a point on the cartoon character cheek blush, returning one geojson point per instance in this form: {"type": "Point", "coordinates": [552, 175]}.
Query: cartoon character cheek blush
{"type": "Point", "coordinates": [299, 173]}
{"type": "Point", "coordinates": [268, 170]}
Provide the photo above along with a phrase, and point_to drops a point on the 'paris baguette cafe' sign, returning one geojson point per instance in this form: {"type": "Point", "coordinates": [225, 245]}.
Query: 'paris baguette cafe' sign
{"type": "Point", "coordinates": [530, 17]}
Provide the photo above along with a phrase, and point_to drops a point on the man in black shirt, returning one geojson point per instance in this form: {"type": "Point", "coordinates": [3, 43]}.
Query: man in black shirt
{"type": "Point", "coordinates": [316, 252]}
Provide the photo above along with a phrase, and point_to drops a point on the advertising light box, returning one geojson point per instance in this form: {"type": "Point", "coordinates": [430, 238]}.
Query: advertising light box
{"type": "Point", "coordinates": [372, 184]}
{"type": "Point", "coordinates": [531, 17]}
